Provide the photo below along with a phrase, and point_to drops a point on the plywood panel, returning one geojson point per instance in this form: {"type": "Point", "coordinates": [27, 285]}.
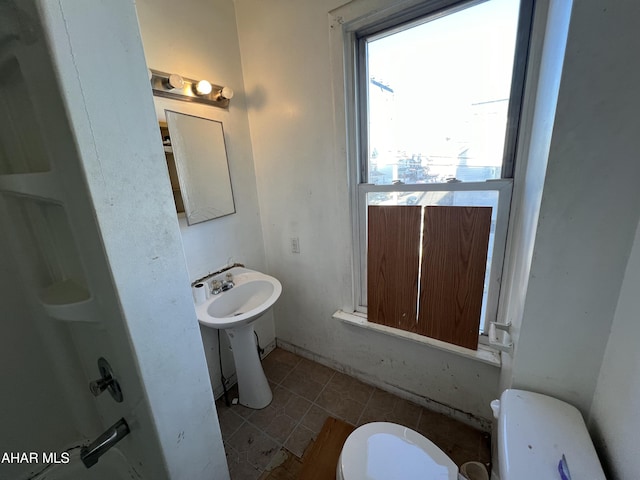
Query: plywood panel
{"type": "Point", "coordinates": [392, 265]}
{"type": "Point", "coordinates": [322, 460]}
{"type": "Point", "coordinates": [455, 242]}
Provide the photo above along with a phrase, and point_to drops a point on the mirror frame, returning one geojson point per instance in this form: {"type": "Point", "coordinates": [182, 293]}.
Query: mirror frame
{"type": "Point", "coordinates": [189, 144]}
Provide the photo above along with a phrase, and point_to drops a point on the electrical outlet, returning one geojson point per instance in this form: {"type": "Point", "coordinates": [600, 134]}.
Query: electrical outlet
{"type": "Point", "coordinates": [295, 245]}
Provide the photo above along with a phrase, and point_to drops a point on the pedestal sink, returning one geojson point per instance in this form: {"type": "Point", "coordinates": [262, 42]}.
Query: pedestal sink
{"type": "Point", "coordinates": [235, 312]}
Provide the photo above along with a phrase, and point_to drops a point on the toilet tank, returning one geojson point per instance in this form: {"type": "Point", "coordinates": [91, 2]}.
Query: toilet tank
{"type": "Point", "coordinates": [535, 431]}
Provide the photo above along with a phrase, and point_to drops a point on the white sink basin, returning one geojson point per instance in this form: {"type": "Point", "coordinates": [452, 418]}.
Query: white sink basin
{"type": "Point", "coordinates": [235, 311]}
{"type": "Point", "coordinates": [253, 294]}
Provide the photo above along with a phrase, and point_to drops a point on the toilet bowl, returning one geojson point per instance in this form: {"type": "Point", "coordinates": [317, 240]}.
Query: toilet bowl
{"type": "Point", "coordinates": [386, 451]}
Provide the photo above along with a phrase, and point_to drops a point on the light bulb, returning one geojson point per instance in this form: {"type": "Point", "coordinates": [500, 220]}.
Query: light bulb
{"type": "Point", "coordinates": [203, 88]}
{"type": "Point", "coordinates": [175, 81]}
{"type": "Point", "coordinates": [227, 93]}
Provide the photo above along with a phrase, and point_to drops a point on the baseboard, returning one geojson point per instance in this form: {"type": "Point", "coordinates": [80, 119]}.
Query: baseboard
{"type": "Point", "coordinates": [433, 405]}
{"type": "Point", "coordinates": [269, 348]}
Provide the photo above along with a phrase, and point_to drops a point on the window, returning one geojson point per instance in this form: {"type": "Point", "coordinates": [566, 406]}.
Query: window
{"type": "Point", "coordinates": [438, 92]}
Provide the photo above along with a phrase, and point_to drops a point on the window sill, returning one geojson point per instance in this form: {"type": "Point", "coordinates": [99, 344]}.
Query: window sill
{"type": "Point", "coordinates": [484, 354]}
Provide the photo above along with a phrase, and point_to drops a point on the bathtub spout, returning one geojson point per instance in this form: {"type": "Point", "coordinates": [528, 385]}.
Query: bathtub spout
{"type": "Point", "coordinates": [91, 453]}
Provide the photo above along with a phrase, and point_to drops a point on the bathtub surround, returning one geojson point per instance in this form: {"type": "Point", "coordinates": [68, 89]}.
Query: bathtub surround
{"type": "Point", "coordinates": [24, 342]}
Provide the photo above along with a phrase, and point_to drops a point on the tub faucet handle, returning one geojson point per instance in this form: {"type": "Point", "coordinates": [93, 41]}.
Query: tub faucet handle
{"type": "Point", "coordinates": [107, 381]}
{"type": "Point", "coordinates": [100, 385]}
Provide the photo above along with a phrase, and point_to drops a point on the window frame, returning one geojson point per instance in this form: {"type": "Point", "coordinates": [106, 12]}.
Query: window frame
{"type": "Point", "coordinates": [397, 18]}
{"type": "Point", "coordinates": [502, 186]}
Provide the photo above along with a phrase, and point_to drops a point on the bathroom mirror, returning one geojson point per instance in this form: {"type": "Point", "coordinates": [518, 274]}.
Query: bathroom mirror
{"type": "Point", "coordinates": [202, 167]}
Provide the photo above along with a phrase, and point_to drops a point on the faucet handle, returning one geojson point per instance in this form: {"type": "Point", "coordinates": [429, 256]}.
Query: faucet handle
{"type": "Point", "coordinates": [106, 381]}
{"type": "Point", "coordinates": [216, 286]}
{"type": "Point", "coordinates": [100, 385]}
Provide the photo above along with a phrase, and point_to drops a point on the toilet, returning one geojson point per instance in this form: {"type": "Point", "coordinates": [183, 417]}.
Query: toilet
{"type": "Point", "coordinates": [534, 432]}
{"type": "Point", "coordinates": [387, 451]}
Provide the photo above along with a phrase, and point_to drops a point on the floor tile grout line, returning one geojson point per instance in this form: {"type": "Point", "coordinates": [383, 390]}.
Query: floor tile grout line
{"type": "Point", "coordinates": [244, 420]}
{"type": "Point", "coordinates": [299, 422]}
{"type": "Point", "coordinates": [279, 446]}
{"type": "Point", "coordinates": [263, 431]}
{"type": "Point", "coordinates": [243, 456]}
{"type": "Point", "coordinates": [247, 420]}
{"type": "Point", "coordinates": [312, 404]}
{"type": "Point", "coordinates": [366, 404]}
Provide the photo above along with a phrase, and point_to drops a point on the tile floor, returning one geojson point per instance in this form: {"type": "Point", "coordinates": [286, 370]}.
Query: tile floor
{"type": "Point", "coordinates": [305, 393]}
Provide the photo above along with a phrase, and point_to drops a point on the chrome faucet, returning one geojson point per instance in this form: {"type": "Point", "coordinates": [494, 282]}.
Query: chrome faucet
{"type": "Point", "coordinates": [219, 286]}
{"type": "Point", "coordinates": [91, 453]}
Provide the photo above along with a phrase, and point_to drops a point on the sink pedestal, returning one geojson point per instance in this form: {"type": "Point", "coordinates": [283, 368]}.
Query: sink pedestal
{"type": "Point", "coordinates": [235, 310]}
{"type": "Point", "coordinates": [253, 387]}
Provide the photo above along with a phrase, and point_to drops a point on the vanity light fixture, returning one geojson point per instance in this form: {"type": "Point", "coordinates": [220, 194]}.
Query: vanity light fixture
{"type": "Point", "coordinates": [177, 87]}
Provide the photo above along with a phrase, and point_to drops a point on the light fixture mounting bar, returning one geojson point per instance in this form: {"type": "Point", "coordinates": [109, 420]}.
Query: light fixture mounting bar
{"type": "Point", "coordinates": [161, 88]}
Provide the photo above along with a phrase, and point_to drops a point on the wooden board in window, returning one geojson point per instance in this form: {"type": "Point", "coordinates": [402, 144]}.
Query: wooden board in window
{"type": "Point", "coordinates": [392, 266]}
{"type": "Point", "coordinates": [454, 259]}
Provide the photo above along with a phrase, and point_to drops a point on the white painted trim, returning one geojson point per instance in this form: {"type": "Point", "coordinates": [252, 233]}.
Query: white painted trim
{"type": "Point", "coordinates": [466, 418]}
{"type": "Point", "coordinates": [484, 354]}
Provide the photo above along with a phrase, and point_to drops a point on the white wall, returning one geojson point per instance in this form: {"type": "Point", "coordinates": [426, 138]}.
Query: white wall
{"type": "Point", "coordinates": [549, 36]}
{"type": "Point", "coordinates": [198, 39]}
{"type": "Point", "coordinates": [614, 413]}
{"type": "Point", "coordinates": [589, 209]}
{"type": "Point", "coordinates": [303, 193]}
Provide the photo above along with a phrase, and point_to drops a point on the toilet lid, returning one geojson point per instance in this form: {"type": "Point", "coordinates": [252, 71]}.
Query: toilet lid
{"type": "Point", "coordinates": [386, 451]}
